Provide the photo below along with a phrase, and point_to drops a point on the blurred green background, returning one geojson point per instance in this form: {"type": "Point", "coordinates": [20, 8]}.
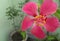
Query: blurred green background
{"type": "Point", "coordinates": [5, 24]}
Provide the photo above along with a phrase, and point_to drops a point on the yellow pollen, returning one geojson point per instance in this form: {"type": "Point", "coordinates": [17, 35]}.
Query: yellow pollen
{"type": "Point", "coordinates": [44, 21]}
{"type": "Point", "coordinates": [39, 16]}
{"type": "Point", "coordinates": [41, 23]}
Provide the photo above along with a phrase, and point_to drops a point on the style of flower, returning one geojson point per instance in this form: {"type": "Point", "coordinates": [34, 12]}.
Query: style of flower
{"type": "Point", "coordinates": [40, 20]}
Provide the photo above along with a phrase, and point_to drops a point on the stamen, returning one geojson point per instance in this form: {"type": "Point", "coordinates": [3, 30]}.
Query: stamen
{"type": "Point", "coordinates": [40, 20]}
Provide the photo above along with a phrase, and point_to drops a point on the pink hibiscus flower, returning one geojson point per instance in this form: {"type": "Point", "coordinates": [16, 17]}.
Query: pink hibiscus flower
{"type": "Point", "coordinates": [40, 20]}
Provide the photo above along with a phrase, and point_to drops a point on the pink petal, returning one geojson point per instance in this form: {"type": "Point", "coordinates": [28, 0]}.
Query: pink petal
{"type": "Point", "coordinates": [27, 22]}
{"type": "Point", "coordinates": [30, 8]}
{"type": "Point", "coordinates": [48, 7]}
{"type": "Point", "coordinates": [52, 24]}
{"type": "Point", "coordinates": [37, 31]}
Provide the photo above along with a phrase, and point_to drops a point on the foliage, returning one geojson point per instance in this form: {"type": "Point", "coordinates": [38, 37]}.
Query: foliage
{"type": "Point", "coordinates": [23, 34]}
{"type": "Point", "coordinates": [51, 38]}
{"type": "Point", "coordinates": [12, 12]}
{"type": "Point", "coordinates": [57, 14]}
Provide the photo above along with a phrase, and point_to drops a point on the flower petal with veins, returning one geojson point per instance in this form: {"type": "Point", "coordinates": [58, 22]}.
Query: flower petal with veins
{"type": "Point", "coordinates": [30, 8]}
{"type": "Point", "coordinates": [38, 32]}
{"type": "Point", "coordinates": [26, 23]}
{"type": "Point", "coordinates": [52, 24]}
{"type": "Point", "coordinates": [48, 8]}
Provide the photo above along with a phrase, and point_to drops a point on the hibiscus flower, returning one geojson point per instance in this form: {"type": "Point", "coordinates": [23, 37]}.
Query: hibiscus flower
{"type": "Point", "coordinates": [40, 19]}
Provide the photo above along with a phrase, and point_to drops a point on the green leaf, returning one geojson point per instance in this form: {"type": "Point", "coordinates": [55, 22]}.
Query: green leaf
{"type": "Point", "coordinates": [57, 14]}
{"type": "Point", "coordinates": [23, 34]}
{"type": "Point", "coordinates": [50, 37]}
